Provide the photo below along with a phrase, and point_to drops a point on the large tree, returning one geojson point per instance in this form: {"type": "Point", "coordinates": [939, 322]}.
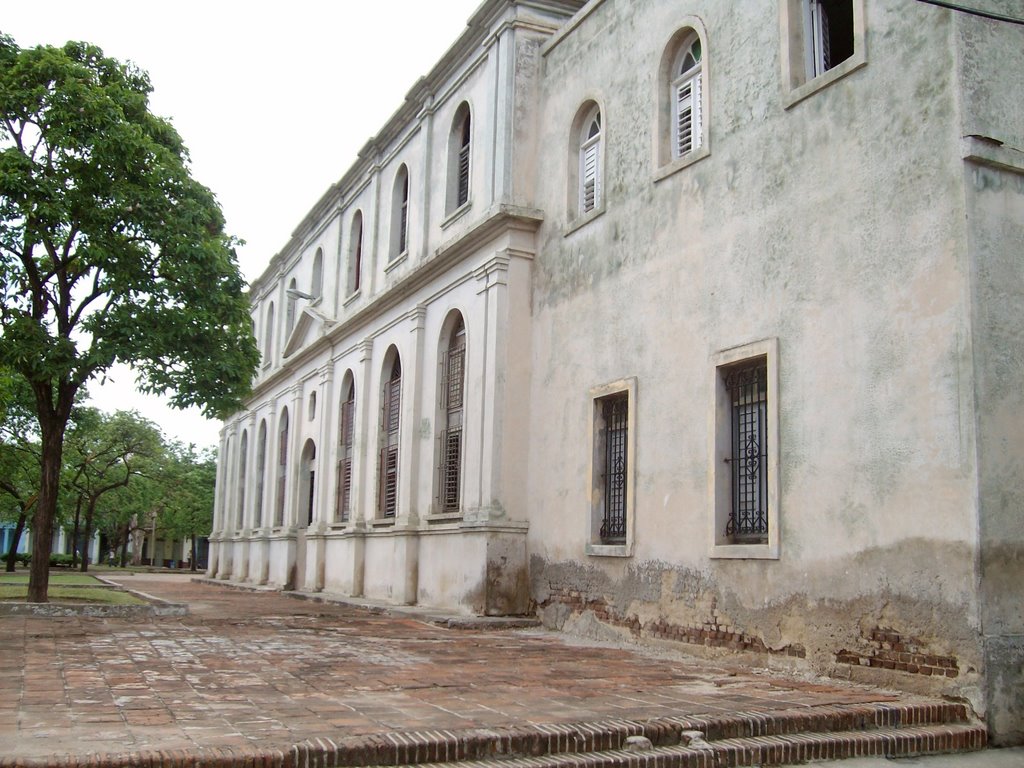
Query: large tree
{"type": "Point", "coordinates": [109, 252]}
{"type": "Point", "coordinates": [102, 454]}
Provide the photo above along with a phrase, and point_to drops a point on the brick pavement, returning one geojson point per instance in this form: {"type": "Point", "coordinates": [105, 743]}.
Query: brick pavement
{"type": "Point", "coordinates": [263, 671]}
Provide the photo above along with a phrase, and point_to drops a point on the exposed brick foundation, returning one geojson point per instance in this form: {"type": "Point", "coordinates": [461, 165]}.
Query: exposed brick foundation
{"type": "Point", "coordinates": [888, 649]}
{"type": "Point", "coordinates": [710, 633]}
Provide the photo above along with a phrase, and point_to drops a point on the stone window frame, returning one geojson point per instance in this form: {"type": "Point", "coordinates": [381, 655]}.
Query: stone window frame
{"type": "Point", "coordinates": [667, 161]}
{"type": "Point", "coordinates": [579, 142]}
{"type": "Point", "coordinates": [595, 496]}
{"type": "Point", "coordinates": [797, 82]}
{"type": "Point", "coordinates": [720, 439]}
{"type": "Point", "coordinates": [459, 188]}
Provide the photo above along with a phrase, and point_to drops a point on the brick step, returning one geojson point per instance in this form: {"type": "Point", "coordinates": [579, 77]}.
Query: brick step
{"type": "Point", "coordinates": [587, 741]}
{"type": "Point", "coordinates": [787, 749]}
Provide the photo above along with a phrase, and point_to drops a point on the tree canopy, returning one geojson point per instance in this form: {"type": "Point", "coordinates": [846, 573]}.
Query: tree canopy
{"type": "Point", "coordinates": [109, 251]}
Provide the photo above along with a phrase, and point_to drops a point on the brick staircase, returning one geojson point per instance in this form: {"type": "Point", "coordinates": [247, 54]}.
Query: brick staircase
{"type": "Point", "coordinates": [782, 737]}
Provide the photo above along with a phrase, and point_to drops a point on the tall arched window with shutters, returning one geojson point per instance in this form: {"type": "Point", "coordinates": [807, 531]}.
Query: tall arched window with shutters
{"type": "Point", "coordinates": [316, 285]}
{"type": "Point", "coordinates": [451, 386]}
{"type": "Point", "coordinates": [590, 162]}
{"type": "Point", "coordinates": [459, 156]}
{"type": "Point", "coordinates": [400, 214]}
{"type": "Point", "coordinates": [685, 93]}
{"type": "Point", "coordinates": [346, 442]}
{"type": "Point", "coordinates": [261, 473]}
{"type": "Point", "coordinates": [355, 253]}
{"type": "Point", "coordinates": [282, 468]}
{"type": "Point", "coordinates": [390, 423]}
{"type": "Point", "coordinates": [268, 336]}
{"type": "Point", "coordinates": [243, 453]}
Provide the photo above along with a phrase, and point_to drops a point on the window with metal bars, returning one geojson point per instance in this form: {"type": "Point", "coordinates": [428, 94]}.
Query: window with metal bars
{"type": "Point", "coordinates": [747, 390]}
{"type": "Point", "coordinates": [614, 434]}
{"type": "Point", "coordinates": [343, 510]}
{"type": "Point", "coordinates": [282, 468]}
{"type": "Point", "coordinates": [390, 422]}
{"type": "Point", "coordinates": [449, 469]}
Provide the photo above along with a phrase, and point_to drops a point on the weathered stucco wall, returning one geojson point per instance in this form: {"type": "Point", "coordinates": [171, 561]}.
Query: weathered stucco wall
{"type": "Point", "coordinates": [835, 226]}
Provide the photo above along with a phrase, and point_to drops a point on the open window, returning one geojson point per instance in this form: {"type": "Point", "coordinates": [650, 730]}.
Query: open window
{"type": "Point", "coordinates": [823, 40]}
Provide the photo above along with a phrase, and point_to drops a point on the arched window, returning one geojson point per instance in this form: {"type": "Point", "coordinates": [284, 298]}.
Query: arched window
{"type": "Point", "coordinates": [390, 418]}
{"type": "Point", "coordinates": [307, 478]}
{"type": "Point", "coordinates": [452, 387]}
{"type": "Point", "coordinates": [242, 455]}
{"type": "Point", "coordinates": [290, 306]}
{"type": "Point", "coordinates": [282, 468]}
{"type": "Point", "coordinates": [458, 158]}
{"type": "Point", "coordinates": [355, 259]}
{"type": "Point", "coordinates": [685, 95]}
{"type": "Point", "coordinates": [316, 287]}
{"type": "Point", "coordinates": [268, 341]}
{"type": "Point", "coordinates": [346, 440]}
{"type": "Point", "coordinates": [400, 214]}
{"type": "Point", "coordinates": [225, 514]}
{"type": "Point", "coordinates": [590, 161]}
{"type": "Point", "coordinates": [261, 472]}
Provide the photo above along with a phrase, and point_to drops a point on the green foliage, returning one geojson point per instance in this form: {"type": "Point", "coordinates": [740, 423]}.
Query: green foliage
{"type": "Point", "coordinates": [109, 251]}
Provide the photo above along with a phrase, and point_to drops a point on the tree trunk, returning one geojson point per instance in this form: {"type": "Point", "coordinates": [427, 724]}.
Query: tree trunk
{"type": "Point", "coordinates": [74, 537]}
{"type": "Point", "coordinates": [90, 510]}
{"type": "Point", "coordinates": [195, 553]}
{"type": "Point", "coordinates": [52, 434]}
{"type": "Point", "coordinates": [12, 552]}
{"type": "Point", "coordinates": [124, 544]}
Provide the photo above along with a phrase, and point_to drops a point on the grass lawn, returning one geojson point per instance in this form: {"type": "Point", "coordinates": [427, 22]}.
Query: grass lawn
{"type": "Point", "coordinates": [66, 588]}
{"type": "Point", "coordinates": [56, 578]}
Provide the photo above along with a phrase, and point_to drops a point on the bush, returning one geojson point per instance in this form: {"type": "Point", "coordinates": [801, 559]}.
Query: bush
{"type": "Point", "coordinates": [60, 561]}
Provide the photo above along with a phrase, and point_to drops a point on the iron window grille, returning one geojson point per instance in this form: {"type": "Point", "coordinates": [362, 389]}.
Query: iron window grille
{"type": "Point", "coordinates": [747, 388]}
{"type": "Point", "coordinates": [615, 415]}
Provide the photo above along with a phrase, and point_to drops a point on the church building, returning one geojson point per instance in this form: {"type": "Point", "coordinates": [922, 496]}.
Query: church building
{"type": "Point", "coordinates": [695, 323]}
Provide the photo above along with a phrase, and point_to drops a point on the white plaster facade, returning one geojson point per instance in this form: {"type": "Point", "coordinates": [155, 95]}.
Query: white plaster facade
{"type": "Point", "coordinates": [630, 205]}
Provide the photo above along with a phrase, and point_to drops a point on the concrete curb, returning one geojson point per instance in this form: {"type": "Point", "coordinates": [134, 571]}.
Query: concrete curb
{"type": "Point", "coordinates": [154, 606]}
{"type": "Point", "coordinates": [429, 615]}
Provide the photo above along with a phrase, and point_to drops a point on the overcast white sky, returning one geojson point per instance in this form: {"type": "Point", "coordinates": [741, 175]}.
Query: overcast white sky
{"type": "Point", "coordinates": [273, 101]}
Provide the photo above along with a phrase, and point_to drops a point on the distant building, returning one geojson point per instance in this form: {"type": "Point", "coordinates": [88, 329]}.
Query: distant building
{"type": "Point", "coordinates": [699, 323]}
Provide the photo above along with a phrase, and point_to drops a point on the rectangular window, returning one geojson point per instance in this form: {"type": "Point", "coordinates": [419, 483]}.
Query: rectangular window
{"type": "Point", "coordinates": [823, 41]}
{"type": "Point", "coordinates": [615, 422]}
{"type": "Point", "coordinates": [744, 452]}
{"type": "Point", "coordinates": [613, 469]}
{"type": "Point", "coordinates": [746, 386]}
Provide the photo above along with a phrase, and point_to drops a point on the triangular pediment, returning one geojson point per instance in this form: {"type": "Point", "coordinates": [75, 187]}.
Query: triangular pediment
{"type": "Point", "coordinates": [309, 327]}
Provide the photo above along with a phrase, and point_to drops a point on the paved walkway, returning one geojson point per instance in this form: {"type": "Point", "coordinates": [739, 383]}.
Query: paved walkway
{"type": "Point", "coordinates": [249, 670]}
